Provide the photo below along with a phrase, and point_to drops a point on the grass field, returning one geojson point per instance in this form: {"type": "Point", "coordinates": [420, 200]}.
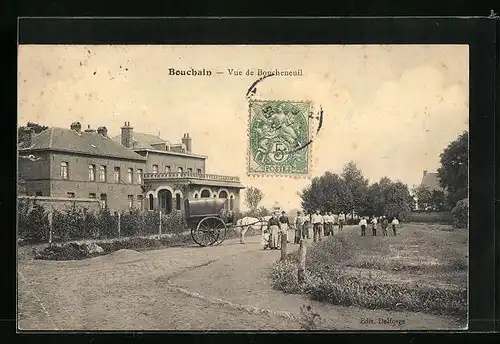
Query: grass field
{"type": "Point", "coordinates": [423, 268]}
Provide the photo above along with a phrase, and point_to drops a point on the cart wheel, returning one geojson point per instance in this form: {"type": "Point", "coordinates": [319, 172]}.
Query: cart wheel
{"type": "Point", "coordinates": [208, 231]}
{"type": "Point", "coordinates": [222, 236]}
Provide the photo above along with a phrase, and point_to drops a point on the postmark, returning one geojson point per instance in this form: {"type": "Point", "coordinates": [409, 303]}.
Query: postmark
{"type": "Point", "coordinates": [279, 133]}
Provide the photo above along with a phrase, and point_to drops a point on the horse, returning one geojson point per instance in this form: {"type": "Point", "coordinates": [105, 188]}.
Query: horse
{"type": "Point", "coordinates": [251, 222]}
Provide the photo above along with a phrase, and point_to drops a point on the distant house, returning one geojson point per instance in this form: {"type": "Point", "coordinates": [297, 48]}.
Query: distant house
{"type": "Point", "coordinates": [430, 180]}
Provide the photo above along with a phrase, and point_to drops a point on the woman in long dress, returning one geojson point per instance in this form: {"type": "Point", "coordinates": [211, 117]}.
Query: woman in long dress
{"type": "Point", "coordinates": [274, 228]}
{"type": "Point", "coordinates": [285, 225]}
{"type": "Point", "coordinates": [298, 227]}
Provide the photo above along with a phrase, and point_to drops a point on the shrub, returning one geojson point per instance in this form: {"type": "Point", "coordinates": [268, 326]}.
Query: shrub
{"type": "Point", "coordinates": [131, 223]}
{"type": "Point", "coordinates": [35, 227]}
{"type": "Point", "coordinates": [329, 252]}
{"type": "Point", "coordinates": [68, 224]}
{"type": "Point", "coordinates": [460, 214]}
{"type": "Point", "coordinates": [107, 224]}
{"type": "Point", "coordinates": [174, 223]}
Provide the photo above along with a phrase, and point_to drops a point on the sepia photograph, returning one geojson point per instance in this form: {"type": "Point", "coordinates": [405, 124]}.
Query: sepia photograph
{"type": "Point", "coordinates": [243, 187]}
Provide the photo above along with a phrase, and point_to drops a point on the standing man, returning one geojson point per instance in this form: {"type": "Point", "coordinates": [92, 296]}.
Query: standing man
{"type": "Point", "coordinates": [395, 223]}
{"type": "Point", "coordinates": [374, 225]}
{"type": "Point", "coordinates": [298, 223]}
{"type": "Point", "coordinates": [326, 225]}
{"type": "Point", "coordinates": [385, 224]}
{"type": "Point", "coordinates": [341, 221]}
{"type": "Point", "coordinates": [363, 224]}
{"type": "Point", "coordinates": [317, 221]}
{"type": "Point", "coordinates": [305, 226]}
{"type": "Point", "coordinates": [284, 225]}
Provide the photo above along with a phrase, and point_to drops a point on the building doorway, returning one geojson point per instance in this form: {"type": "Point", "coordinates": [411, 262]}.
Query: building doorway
{"type": "Point", "coordinates": [165, 201]}
{"type": "Point", "coordinates": [223, 194]}
{"type": "Point", "coordinates": [205, 193]}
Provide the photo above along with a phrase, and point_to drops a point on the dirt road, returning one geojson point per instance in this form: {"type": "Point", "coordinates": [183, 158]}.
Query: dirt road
{"type": "Point", "coordinates": [189, 288]}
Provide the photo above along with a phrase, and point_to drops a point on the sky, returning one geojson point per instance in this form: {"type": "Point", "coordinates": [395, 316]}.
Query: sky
{"type": "Point", "coordinates": [390, 108]}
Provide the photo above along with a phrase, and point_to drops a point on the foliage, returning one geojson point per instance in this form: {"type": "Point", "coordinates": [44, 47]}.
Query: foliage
{"type": "Point", "coordinates": [432, 200]}
{"type": "Point", "coordinates": [253, 196]}
{"type": "Point", "coordinates": [77, 223]}
{"type": "Point", "coordinates": [460, 214]}
{"type": "Point", "coordinates": [23, 131]}
{"type": "Point", "coordinates": [33, 222]}
{"type": "Point", "coordinates": [390, 199]}
{"type": "Point", "coordinates": [431, 217]}
{"type": "Point", "coordinates": [357, 184]}
{"type": "Point", "coordinates": [309, 320]}
{"type": "Point", "coordinates": [453, 174]}
{"type": "Point", "coordinates": [327, 193]}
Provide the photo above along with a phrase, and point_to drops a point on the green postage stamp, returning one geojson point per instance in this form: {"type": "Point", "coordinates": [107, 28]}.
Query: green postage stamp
{"type": "Point", "coordinates": [279, 138]}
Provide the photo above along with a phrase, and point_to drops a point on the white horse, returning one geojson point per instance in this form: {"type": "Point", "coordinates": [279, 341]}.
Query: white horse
{"type": "Point", "coordinates": [251, 222]}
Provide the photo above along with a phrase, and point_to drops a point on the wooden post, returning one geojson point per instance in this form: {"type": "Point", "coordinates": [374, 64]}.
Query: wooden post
{"type": "Point", "coordinates": [302, 261]}
{"type": "Point", "coordinates": [50, 217]}
{"type": "Point", "coordinates": [119, 224]}
{"type": "Point", "coordinates": [284, 241]}
{"type": "Point", "coordinates": [159, 226]}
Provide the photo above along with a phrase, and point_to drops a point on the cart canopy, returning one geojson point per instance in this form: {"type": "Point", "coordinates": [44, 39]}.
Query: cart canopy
{"type": "Point", "coordinates": [204, 207]}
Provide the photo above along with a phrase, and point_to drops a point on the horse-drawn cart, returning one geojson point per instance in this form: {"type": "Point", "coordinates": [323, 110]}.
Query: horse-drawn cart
{"type": "Point", "coordinates": [204, 218]}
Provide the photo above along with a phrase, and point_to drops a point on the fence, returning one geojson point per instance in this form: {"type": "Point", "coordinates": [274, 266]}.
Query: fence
{"type": "Point", "coordinates": [36, 224]}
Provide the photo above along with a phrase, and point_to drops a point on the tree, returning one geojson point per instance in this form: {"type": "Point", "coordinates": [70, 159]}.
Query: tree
{"type": "Point", "coordinates": [389, 198]}
{"type": "Point", "coordinates": [453, 174]}
{"type": "Point", "coordinates": [35, 128]}
{"type": "Point", "coordinates": [424, 197]}
{"type": "Point", "coordinates": [357, 185]}
{"type": "Point", "coordinates": [253, 196]}
{"type": "Point", "coordinates": [327, 193]}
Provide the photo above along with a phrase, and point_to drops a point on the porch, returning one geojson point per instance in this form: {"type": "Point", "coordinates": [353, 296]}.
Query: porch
{"type": "Point", "coordinates": [167, 191]}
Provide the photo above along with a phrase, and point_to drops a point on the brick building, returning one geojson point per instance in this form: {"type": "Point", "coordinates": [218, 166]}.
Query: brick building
{"type": "Point", "coordinates": [132, 170]}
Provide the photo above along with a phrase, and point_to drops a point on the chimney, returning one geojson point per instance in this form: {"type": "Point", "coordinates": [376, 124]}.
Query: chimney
{"type": "Point", "coordinates": [425, 173]}
{"type": "Point", "coordinates": [102, 131]}
{"type": "Point", "coordinates": [127, 135]}
{"type": "Point", "coordinates": [76, 126]}
{"type": "Point", "coordinates": [186, 140]}
{"type": "Point", "coordinates": [88, 130]}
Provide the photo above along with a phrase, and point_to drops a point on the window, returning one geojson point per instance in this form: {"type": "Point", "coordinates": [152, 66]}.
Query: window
{"type": "Point", "coordinates": [116, 174]}
{"type": "Point", "coordinates": [92, 173]}
{"type": "Point", "coordinates": [70, 194]}
{"type": "Point", "coordinates": [130, 201]}
{"type": "Point", "coordinates": [198, 170]}
{"type": "Point", "coordinates": [178, 202]}
{"type": "Point", "coordinates": [38, 193]}
{"type": "Point", "coordinates": [151, 202]}
{"type": "Point", "coordinates": [92, 195]}
{"type": "Point", "coordinates": [104, 201]}
{"type": "Point", "coordinates": [64, 170]}
{"type": "Point", "coordinates": [155, 168]}
{"type": "Point", "coordinates": [231, 203]}
{"type": "Point", "coordinates": [130, 176]}
{"type": "Point", "coordinates": [190, 170]}
{"type": "Point", "coordinates": [139, 176]}
{"type": "Point", "coordinates": [181, 170]}
{"type": "Point", "coordinates": [102, 173]}
{"type": "Point", "coordinates": [140, 201]}
{"type": "Point", "coordinates": [167, 169]}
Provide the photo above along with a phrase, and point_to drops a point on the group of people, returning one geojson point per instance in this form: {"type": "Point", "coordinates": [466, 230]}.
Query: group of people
{"type": "Point", "coordinates": [384, 224]}
{"type": "Point", "coordinates": [322, 225]}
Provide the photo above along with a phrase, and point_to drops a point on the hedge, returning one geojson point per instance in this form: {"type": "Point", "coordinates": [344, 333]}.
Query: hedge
{"type": "Point", "coordinates": [78, 223]}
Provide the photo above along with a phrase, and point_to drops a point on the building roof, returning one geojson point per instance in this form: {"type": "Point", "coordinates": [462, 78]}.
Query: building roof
{"type": "Point", "coordinates": [142, 140]}
{"type": "Point", "coordinates": [92, 143]}
{"type": "Point", "coordinates": [431, 181]}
